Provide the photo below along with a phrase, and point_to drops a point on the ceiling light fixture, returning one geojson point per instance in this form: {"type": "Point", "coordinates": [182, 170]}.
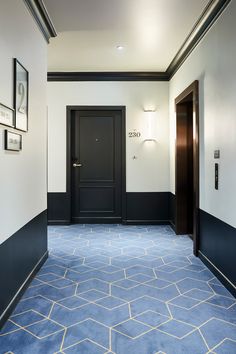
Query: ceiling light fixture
{"type": "Point", "coordinates": [119, 47]}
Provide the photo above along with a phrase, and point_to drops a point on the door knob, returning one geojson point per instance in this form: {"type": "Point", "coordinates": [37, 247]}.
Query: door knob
{"type": "Point", "coordinates": [77, 164]}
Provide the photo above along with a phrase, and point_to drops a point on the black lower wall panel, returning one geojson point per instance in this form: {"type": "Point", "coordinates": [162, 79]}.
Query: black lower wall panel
{"type": "Point", "coordinates": [172, 209]}
{"type": "Point", "coordinates": [217, 246]}
{"type": "Point", "coordinates": [58, 208]}
{"type": "Point", "coordinates": [147, 207]}
{"type": "Point", "coordinates": [19, 255]}
{"type": "Point", "coordinates": [141, 207]}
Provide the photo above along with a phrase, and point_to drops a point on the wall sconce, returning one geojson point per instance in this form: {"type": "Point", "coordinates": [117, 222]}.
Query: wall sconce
{"type": "Point", "coordinates": [150, 125]}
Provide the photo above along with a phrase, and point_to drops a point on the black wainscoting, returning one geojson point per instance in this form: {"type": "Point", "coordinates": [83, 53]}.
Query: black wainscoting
{"type": "Point", "coordinates": [172, 210]}
{"type": "Point", "coordinates": [21, 256]}
{"type": "Point", "coordinates": [59, 208]}
{"type": "Point", "coordinates": [217, 249]}
{"type": "Point", "coordinates": [147, 208]}
{"type": "Point", "coordinates": [142, 208]}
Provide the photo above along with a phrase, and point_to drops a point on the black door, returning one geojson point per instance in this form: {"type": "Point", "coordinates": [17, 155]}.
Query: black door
{"type": "Point", "coordinates": [96, 166]}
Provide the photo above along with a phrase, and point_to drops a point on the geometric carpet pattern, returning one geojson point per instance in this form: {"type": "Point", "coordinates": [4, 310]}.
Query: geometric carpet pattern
{"type": "Point", "coordinates": [121, 289]}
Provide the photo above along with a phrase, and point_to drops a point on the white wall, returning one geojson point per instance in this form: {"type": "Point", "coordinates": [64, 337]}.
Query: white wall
{"type": "Point", "coordinates": [213, 63]}
{"type": "Point", "coordinates": [22, 174]}
{"type": "Point", "coordinates": [150, 171]}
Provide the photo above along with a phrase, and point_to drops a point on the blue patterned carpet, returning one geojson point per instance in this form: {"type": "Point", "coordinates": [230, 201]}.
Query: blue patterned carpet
{"type": "Point", "coordinates": [122, 289]}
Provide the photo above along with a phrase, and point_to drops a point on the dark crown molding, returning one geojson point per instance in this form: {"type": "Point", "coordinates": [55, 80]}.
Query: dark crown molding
{"type": "Point", "coordinates": [42, 18]}
{"type": "Point", "coordinates": [108, 76]}
{"type": "Point", "coordinates": [208, 17]}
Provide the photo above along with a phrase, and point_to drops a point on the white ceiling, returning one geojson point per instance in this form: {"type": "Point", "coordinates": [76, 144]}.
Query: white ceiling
{"type": "Point", "coordinates": [151, 32]}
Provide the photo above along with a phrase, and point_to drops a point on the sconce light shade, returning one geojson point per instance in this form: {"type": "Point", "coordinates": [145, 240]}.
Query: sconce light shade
{"type": "Point", "coordinates": [150, 125]}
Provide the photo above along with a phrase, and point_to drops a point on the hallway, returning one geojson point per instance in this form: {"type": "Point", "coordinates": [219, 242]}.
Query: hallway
{"type": "Point", "coordinates": [121, 289]}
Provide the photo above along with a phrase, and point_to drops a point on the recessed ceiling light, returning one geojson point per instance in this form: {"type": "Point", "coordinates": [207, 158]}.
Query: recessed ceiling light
{"type": "Point", "coordinates": [119, 47]}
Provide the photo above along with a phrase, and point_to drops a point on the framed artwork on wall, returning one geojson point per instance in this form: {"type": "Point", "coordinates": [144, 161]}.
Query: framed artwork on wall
{"type": "Point", "coordinates": [21, 94]}
{"type": "Point", "coordinates": [13, 141]}
{"type": "Point", "coordinates": [6, 115]}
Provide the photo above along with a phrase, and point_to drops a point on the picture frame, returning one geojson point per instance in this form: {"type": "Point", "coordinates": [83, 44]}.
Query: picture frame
{"type": "Point", "coordinates": [13, 141]}
{"type": "Point", "coordinates": [21, 96]}
{"type": "Point", "coordinates": [6, 116]}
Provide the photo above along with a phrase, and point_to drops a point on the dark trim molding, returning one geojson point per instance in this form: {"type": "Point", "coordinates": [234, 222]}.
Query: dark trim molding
{"type": "Point", "coordinates": [208, 17]}
{"type": "Point", "coordinates": [97, 220]}
{"type": "Point", "coordinates": [146, 222]}
{"type": "Point", "coordinates": [69, 110]}
{"type": "Point", "coordinates": [21, 256]}
{"type": "Point", "coordinates": [42, 18]}
{"type": "Point", "coordinates": [59, 222]}
{"type": "Point", "coordinates": [108, 76]}
{"type": "Point", "coordinates": [192, 89]}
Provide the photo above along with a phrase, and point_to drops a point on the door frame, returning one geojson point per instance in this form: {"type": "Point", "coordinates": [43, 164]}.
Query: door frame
{"type": "Point", "coordinates": [194, 90]}
{"type": "Point", "coordinates": [69, 112]}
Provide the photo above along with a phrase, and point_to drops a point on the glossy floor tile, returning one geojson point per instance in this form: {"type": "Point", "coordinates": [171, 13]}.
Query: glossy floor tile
{"type": "Point", "coordinates": [122, 289]}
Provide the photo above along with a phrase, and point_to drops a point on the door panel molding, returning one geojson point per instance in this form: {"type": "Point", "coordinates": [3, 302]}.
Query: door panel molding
{"type": "Point", "coordinates": [110, 207]}
{"type": "Point", "coordinates": [69, 113]}
{"type": "Point", "coordinates": [96, 180]}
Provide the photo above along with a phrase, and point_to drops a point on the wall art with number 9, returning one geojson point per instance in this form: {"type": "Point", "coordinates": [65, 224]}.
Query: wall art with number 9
{"type": "Point", "coordinates": [21, 82]}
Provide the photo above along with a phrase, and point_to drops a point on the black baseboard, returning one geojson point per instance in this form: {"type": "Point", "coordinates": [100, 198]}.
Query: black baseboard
{"type": "Point", "coordinates": [146, 222]}
{"type": "Point", "coordinates": [172, 225]}
{"type": "Point", "coordinates": [217, 245]}
{"type": "Point", "coordinates": [97, 220]}
{"type": "Point", "coordinates": [219, 275]}
{"type": "Point", "coordinates": [59, 222]}
{"type": "Point", "coordinates": [21, 256]}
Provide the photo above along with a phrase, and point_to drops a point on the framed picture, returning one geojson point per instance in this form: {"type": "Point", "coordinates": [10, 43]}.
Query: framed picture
{"type": "Point", "coordinates": [21, 83]}
{"type": "Point", "coordinates": [6, 115]}
{"type": "Point", "coordinates": [13, 141]}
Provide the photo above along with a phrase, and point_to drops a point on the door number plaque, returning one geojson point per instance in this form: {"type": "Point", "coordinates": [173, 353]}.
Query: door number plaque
{"type": "Point", "coordinates": [134, 134]}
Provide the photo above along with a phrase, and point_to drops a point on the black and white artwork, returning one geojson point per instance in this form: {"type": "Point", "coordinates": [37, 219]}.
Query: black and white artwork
{"type": "Point", "coordinates": [13, 141]}
{"type": "Point", "coordinates": [6, 115]}
{"type": "Point", "coordinates": [21, 82]}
